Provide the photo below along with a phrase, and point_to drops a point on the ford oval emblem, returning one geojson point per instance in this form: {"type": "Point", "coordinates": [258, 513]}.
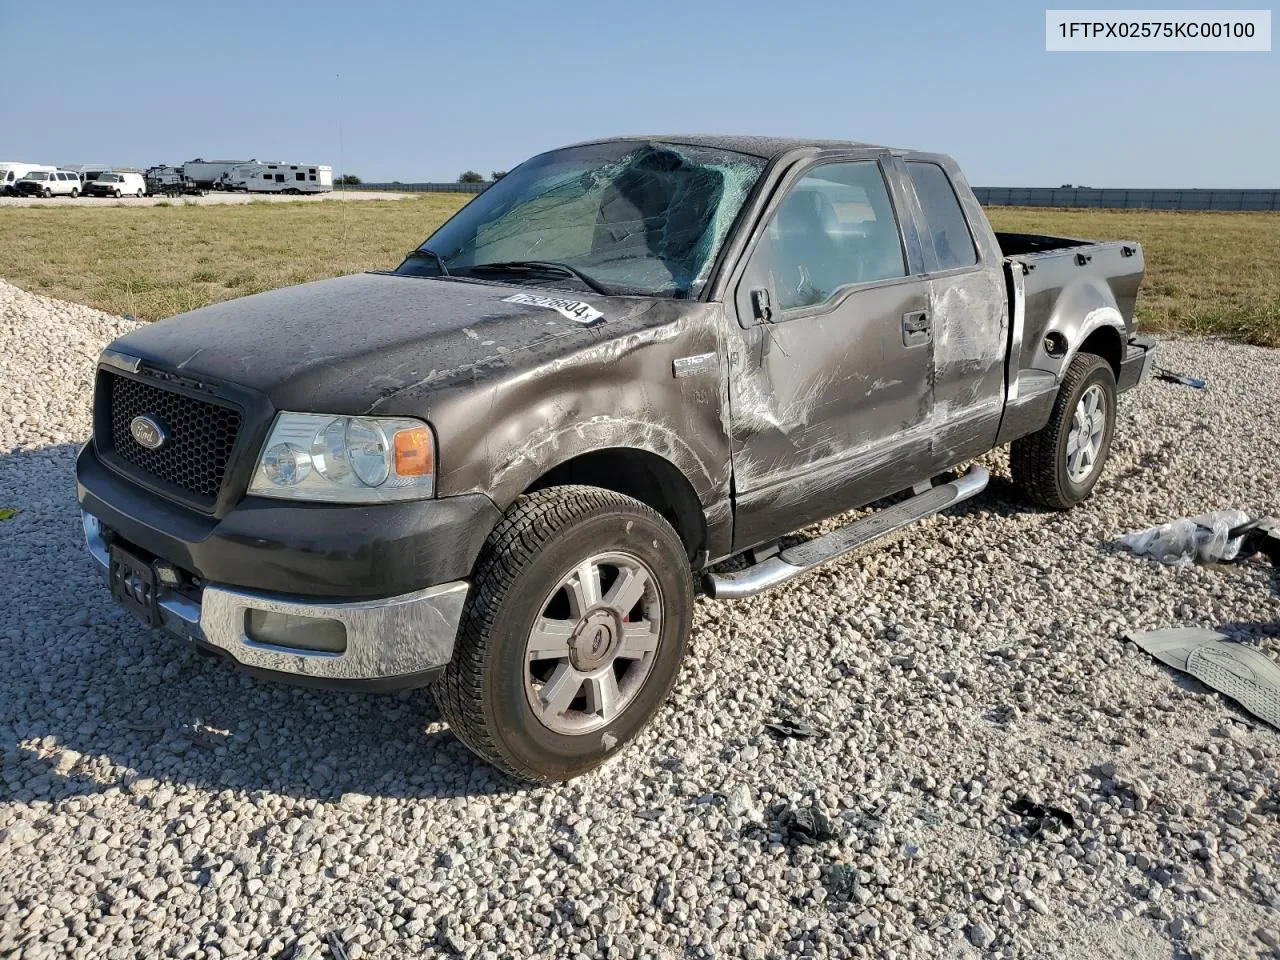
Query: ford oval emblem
{"type": "Point", "coordinates": [148, 432]}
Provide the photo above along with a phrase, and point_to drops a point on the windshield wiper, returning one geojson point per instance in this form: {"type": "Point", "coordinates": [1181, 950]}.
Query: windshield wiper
{"type": "Point", "coordinates": [424, 252]}
{"type": "Point", "coordinates": [540, 266]}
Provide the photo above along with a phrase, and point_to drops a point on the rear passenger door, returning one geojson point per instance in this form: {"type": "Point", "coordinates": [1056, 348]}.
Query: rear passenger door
{"type": "Point", "coordinates": [968, 302]}
{"type": "Point", "coordinates": [829, 389]}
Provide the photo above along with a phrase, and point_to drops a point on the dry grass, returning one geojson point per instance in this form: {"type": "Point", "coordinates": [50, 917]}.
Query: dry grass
{"type": "Point", "coordinates": [153, 262]}
{"type": "Point", "coordinates": [1207, 273]}
{"type": "Point", "coordinates": [1216, 273]}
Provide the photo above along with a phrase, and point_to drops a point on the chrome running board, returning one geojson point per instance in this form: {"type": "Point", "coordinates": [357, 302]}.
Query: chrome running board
{"type": "Point", "coordinates": [804, 557]}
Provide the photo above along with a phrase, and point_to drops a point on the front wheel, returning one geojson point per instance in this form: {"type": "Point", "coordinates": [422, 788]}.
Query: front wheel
{"type": "Point", "coordinates": [74, 193]}
{"type": "Point", "coordinates": [46, 193]}
{"type": "Point", "coordinates": [118, 194]}
{"type": "Point", "coordinates": [574, 631]}
{"type": "Point", "coordinates": [1059, 465]}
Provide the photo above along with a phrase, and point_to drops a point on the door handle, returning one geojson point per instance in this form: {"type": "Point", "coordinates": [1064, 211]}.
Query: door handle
{"type": "Point", "coordinates": [917, 329]}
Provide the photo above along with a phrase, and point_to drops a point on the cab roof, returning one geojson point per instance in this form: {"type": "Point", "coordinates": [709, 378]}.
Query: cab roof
{"type": "Point", "coordinates": [764, 147]}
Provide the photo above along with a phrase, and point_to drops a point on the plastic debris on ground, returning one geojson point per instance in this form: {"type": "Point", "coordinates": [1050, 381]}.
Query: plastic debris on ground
{"type": "Point", "coordinates": [789, 730]}
{"type": "Point", "coordinates": [1206, 538]}
{"type": "Point", "coordinates": [1259, 536]}
{"type": "Point", "coordinates": [1242, 673]}
{"type": "Point", "coordinates": [1041, 817]}
{"type": "Point", "coordinates": [8, 513]}
{"type": "Point", "coordinates": [1170, 376]}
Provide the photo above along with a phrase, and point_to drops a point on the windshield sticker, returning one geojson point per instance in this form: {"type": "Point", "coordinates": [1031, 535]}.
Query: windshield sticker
{"type": "Point", "coordinates": [576, 310]}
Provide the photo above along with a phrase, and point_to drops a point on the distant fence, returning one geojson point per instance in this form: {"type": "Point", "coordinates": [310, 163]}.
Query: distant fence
{"type": "Point", "coordinates": [421, 187]}
{"type": "Point", "coordinates": [1010, 196]}
{"type": "Point", "coordinates": [1129, 199]}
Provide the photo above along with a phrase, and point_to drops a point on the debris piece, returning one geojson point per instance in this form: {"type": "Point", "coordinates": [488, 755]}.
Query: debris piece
{"type": "Point", "coordinates": [929, 816]}
{"type": "Point", "coordinates": [1172, 646]}
{"type": "Point", "coordinates": [1259, 536]}
{"type": "Point", "coordinates": [8, 513]}
{"type": "Point", "coordinates": [336, 945]}
{"type": "Point", "coordinates": [809, 825]}
{"type": "Point", "coordinates": [1238, 671]}
{"type": "Point", "coordinates": [1206, 538]}
{"type": "Point", "coordinates": [791, 730]}
{"type": "Point", "coordinates": [841, 881]}
{"type": "Point", "coordinates": [1270, 804]}
{"type": "Point", "coordinates": [1001, 714]}
{"type": "Point", "coordinates": [1041, 816]}
{"type": "Point", "coordinates": [1169, 376]}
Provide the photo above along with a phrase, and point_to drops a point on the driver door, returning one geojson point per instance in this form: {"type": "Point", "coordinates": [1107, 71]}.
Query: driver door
{"type": "Point", "coordinates": [830, 387]}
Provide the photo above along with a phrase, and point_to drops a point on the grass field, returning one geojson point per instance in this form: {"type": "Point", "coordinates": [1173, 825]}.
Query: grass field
{"type": "Point", "coordinates": [1207, 273]}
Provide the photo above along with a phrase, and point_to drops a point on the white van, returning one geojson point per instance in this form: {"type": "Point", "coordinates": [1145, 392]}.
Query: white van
{"type": "Point", "coordinates": [113, 184]}
{"type": "Point", "coordinates": [48, 183]}
{"type": "Point", "coordinates": [11, 171]}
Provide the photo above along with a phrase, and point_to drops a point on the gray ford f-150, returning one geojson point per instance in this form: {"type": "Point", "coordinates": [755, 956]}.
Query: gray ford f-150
{"type": "Point", "coordinates": [505, 468]}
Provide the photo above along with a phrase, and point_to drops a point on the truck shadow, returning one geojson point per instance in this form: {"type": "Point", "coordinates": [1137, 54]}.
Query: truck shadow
{"type": "Point", "coordinates": [92, 701]}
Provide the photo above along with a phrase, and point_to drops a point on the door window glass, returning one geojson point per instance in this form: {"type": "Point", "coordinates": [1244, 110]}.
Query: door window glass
{"type": "Point", "coordinates": [944, 220]}
{"type": "Point", "coordinates": [836, 228]}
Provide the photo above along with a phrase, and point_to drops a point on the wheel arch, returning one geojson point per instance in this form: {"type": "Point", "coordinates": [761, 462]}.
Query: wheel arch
{"type": "Point", "coordinates": [1105, 342]}
{"type": "Point", "coordinates": [642, 474]}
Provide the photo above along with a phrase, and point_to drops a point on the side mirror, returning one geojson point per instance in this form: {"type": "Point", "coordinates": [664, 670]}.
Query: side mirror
{"type": "Point", "coordinates": [762, 305]}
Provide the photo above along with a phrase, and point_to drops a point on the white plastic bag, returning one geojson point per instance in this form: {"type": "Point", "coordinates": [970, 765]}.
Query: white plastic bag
{"type": "Point", "coordinates": [1202, 538]}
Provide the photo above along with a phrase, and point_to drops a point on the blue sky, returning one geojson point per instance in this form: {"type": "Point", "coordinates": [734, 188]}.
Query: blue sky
{"type": "Point", "coordinates": [423, 91]}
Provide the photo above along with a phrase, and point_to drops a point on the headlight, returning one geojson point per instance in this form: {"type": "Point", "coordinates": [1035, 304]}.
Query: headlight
{"type": "Point", "coordinates": [314, 456]}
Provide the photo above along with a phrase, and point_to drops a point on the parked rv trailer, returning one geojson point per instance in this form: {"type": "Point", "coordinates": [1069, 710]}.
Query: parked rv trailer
{"type": "Point", "coordinates": [280, 178]}
{"type": "Point", "coordinates": [163, 180]}
{"type": "Point", "coordinates": [209, 173]}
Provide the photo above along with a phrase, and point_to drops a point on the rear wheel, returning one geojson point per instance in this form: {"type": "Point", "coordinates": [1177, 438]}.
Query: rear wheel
{"type": "Point", "coordinates": [1059, 465]}
{"type": "Point", "coordinates": [141, 194]}
{"type": "Point", "coordinates": [573, 634]}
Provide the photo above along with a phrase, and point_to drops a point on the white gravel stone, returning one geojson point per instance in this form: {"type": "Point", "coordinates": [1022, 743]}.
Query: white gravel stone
{"type": "Point", "coordinates": [156, 803]}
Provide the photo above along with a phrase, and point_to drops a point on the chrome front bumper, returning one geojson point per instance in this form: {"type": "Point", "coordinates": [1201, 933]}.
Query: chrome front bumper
{"type": "Point", "coordinates": [407, 636]}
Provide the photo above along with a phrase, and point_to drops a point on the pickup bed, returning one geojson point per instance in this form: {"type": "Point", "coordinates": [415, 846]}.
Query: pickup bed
{"type": "Point", "coordinates": [506, 468]}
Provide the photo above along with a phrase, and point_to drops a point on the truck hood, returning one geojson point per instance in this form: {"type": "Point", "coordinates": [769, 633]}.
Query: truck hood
{"type": "Point", "coordinates": [346, 345]}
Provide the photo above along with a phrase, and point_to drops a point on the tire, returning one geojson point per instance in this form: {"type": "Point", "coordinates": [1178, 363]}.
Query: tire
{"type": "Point", "coordinates": [118, 194]}
{"type": "Point", "coordinates": [46, 193]}
{"type": "Point", "coordinates": [141, 194]}
{"type": "Point", "coordinates": [530, 572]}
{"type": "Point", "coordinates": [1045, 468]}
{"type": "Point", "coordinates": [74, 193]}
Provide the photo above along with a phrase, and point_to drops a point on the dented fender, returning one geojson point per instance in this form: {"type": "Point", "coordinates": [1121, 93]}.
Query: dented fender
{"type": "Point", "coordinates": [649, 376]}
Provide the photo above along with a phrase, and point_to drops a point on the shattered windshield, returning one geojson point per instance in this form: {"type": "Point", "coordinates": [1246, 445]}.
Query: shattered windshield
{"type": "Point", "coordinates": [621, 217]}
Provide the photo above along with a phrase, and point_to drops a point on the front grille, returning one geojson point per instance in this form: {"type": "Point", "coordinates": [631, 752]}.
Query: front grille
{"type": "Point", "coordinates": [199, 441]}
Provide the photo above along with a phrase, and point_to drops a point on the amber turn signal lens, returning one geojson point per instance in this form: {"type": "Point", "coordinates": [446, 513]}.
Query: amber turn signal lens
{"type": "Point", "coordinates": [414, 457]}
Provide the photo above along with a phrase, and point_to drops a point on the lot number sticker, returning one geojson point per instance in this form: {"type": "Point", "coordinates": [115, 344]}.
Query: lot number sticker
{"type": "Point", "coordinates": [576, 310]}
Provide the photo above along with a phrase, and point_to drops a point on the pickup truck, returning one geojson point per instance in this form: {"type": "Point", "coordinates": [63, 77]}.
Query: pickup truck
{"type": "Point", "coordinates": [506, 468]}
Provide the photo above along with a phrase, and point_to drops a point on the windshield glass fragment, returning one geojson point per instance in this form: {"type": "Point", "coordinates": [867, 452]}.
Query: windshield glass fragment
{"type": "Point", "coordinates": [625, 217]}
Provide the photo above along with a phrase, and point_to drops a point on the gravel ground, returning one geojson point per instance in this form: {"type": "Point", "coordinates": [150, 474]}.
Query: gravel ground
{"type": "Point", "coordinates": [214, 198]}
{"type": "Point", "coordinates": [155, 803]}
